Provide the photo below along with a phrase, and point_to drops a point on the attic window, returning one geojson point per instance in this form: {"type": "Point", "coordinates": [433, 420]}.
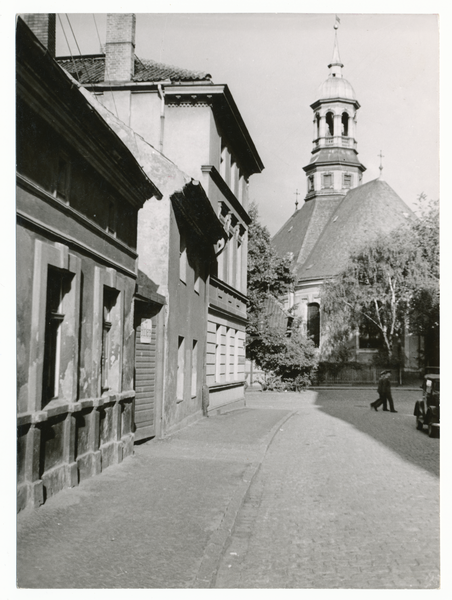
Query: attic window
{"type": "Point", "coordinates": [290, 229]}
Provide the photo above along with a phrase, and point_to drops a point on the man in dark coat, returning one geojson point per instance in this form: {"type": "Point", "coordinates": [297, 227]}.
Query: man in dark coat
{"type": "Point", "coordinates": [384, 392]}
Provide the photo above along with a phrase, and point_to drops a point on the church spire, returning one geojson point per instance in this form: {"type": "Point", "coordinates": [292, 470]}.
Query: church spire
{"type": "Point", "coordinates": [336, 65]}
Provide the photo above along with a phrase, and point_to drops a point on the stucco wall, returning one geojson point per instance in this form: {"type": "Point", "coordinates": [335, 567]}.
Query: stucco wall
{"type": "Point", "coordinates": [187, 137]}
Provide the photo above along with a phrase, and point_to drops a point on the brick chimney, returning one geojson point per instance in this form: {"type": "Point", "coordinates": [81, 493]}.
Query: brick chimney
{"type": "Point", "coordinates": [43, 26]}
{"type": "Point", "coordinates": [120, 47]}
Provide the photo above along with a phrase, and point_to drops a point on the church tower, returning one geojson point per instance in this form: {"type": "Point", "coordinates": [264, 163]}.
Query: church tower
{"type": "Point", "coordinates": [334, 168]}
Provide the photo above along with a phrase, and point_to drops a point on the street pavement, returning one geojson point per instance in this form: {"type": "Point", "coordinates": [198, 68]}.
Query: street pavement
{"type": "Point", "coordinates": [309, 490]}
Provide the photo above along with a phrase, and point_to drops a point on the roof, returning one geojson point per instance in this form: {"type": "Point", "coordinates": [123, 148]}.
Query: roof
{"type": "Point", "coordinates": [335, 156]}
{"type": "Point", "coordinates": [91, 69]}
{"type": "Point", "coordinates": [335, 87]}
{"type": "Point", "coordinates": [366, 211]}
{"type": "Point", "coordinates": [300, 232]}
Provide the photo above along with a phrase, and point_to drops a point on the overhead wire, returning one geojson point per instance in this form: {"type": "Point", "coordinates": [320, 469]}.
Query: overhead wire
{"type": "Point", "coordinates": [69, 48]}
{"type": "Point", "coordinates": [78, 48]}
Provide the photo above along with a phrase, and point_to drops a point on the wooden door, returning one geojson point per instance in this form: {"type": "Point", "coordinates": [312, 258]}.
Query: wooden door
{"type": "Point", "coordinates": [145, 377]}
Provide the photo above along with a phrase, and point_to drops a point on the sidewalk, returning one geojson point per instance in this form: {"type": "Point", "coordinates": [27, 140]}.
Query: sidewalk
{"type": "Point", "coordinates": [160, 519]}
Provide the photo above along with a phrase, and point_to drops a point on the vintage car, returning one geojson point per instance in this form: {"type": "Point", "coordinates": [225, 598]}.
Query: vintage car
{"type": "Point", "coordinates": [426, 410]}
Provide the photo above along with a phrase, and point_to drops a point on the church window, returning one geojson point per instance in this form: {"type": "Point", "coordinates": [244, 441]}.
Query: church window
{"type": "Point", "coordinates": [347, 181]}
{"type": "Point", "coordinates": [344, 121]}
{"type": "Point", "coordinates": [329, 124]}
{"type": "Point", "coordinates": [311, 183]}
{"type": "Point", "coordinates": [327, 180]}
{"type": "Point", "coordinates": [369, 336]}
{"type": "Point", "coordinates": [314, 323]}
{"type": "Point", "coordinates": [317, 120]}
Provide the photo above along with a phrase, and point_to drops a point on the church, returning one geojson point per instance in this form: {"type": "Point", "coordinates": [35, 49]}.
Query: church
{"type": "Point", "coordinates": [339, 212]}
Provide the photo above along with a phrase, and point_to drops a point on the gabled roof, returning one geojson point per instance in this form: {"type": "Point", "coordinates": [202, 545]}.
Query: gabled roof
{"type": "Point", "coordinates": [91, 69]}
{"type": "Point", "coordinates": [365, 212]}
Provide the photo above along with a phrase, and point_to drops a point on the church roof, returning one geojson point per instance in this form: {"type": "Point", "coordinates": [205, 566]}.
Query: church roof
{"type": "Point", "coordinates": [335, 87]}
{"type": "Point", "coordinates": [366, 211]}
{"type": "Point", "coordinates": [91, 69]}
{"type": "Point", "coordinates": [300, 232]}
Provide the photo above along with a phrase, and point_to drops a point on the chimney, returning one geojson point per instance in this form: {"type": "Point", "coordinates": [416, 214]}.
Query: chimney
{"type": "Point", "coordinates": [43, 26]}
{"type": "Point", "coordinates": [120, 47]}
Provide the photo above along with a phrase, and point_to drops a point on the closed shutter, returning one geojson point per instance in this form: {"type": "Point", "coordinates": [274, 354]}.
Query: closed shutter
{"type": "Point", "coordinates": [145, 372]}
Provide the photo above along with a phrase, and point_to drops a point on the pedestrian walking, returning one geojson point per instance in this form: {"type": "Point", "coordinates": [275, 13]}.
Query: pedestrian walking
{"type": "Point", "coordinates": [384, 393]}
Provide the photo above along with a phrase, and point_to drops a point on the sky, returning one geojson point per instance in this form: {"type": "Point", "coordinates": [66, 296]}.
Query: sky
{"type": "Point", "coordinates": [273, 64]}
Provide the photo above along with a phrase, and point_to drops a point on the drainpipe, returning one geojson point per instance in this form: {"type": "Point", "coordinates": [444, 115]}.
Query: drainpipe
{"type": "Point", "coordinates": [161, 93]}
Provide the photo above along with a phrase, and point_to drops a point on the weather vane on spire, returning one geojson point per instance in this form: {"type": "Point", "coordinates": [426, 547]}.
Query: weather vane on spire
{"type": "Point", "coordinates": [381, 162]}
{"type": "Point", "coordinates": [337, 23]}
{"type": "Point", "coordinates": [297, 193]}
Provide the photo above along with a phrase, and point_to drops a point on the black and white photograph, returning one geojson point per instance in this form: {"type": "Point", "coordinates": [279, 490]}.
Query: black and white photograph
{"type": "Point", "coordinates": [227, 265]}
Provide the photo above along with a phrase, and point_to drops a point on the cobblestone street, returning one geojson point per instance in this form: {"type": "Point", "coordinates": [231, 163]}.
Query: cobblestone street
{"type": "Point", "coordinates": [340, 501]}
{"type": "Point", "coordinates": [295, 491]}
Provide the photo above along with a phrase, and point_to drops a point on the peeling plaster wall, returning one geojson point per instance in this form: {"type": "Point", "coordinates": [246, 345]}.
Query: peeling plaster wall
{"type": "Point", "coordinates": [83, 429]}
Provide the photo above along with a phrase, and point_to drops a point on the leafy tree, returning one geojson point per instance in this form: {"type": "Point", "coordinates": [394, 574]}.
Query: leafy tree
{"type": "Point", "coordinates": [377, 289]}
{"type": "Point", "coordinates": [425, 304]}
{"type": "Point", "coordinates": [269, 277]}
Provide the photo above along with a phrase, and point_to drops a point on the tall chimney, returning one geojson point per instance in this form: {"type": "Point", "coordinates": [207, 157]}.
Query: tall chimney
{"type": "Point", "coordinates": [120, 47]}
{"type": "Point", "coordinates": [43, 26]}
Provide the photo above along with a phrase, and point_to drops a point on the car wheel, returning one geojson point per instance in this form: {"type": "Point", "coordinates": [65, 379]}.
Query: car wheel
{"type": "Point", "coordinates": [419, 424]}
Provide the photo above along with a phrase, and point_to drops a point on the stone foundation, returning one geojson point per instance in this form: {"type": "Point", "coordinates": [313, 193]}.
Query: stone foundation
{"type": "Point", "coordinates": [66, 443]}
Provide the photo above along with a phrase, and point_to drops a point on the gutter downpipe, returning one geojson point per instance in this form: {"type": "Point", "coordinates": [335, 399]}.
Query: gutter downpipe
{"type": "Point", "coordinates": [161, 93]}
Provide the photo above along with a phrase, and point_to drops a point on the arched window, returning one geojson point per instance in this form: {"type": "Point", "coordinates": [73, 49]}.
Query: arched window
{"type": "Point", "coordinates": [329, 124]}
{"type": "Point", "coordinates": [345, 119]}
{"type": "Point", "coordinates": [317, 120]}
{"type": "Point", "coordinates": [314, 323]}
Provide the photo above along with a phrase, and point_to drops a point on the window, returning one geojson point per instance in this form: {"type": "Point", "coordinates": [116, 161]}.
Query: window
{"type": "Point", "coordinates": [62, 183]}
{"type": "Point", "coordinates": [236, 355]}
{"type": "Point", "coordinates": [197, 278]}
{"type": "Point", "coordinates": [180, 368]}
{"type": "Point", "coordinates": [218, 353]}
{"type": "Point", "coordinates": [109, 302]}
{"type": "Point", "coordinates": [329, 124]}
{"type": "Point", "coordinates": [314, 323]}
{"type": "Point", "coordinates": [317, 121]}
{"type": "Point", "coordinates": [194, 368]}
{"type": "Point", "coordinates": [58, 284]}
{"type": "Point", "coordinates": [311, 183]}
{"type": "Point", "coordinates": [182, 261]}
{"type": "Point", "coordinates": [369, 336]}
{"type": "Point", "coordinates": [347, 181]}
{"type": "Point", "coordinates": [229, 343]}
{"type": "Point", "coordinates": [327, 180]}
{"type": "Point", "coordinates": [238, 270]}
{"type": "Point", "coordinates": [344, 121]}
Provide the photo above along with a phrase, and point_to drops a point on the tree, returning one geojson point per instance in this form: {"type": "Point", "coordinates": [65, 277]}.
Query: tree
{"type": "Point", "coordinates": [275, 348]}
{"type": "Point", "coordinates": [377, 290]}
{"type": "Point", "coordinates": [425, 304]}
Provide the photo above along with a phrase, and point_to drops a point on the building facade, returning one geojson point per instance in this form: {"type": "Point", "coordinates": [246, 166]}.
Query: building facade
{"type": "Point", "coordinates": [79, 190]}
{"type": "Point", "coordinates": [196, 124]}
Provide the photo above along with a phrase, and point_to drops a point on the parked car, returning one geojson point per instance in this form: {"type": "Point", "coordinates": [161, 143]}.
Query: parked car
{"type": "Point", "coordinates": [426, 410]}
